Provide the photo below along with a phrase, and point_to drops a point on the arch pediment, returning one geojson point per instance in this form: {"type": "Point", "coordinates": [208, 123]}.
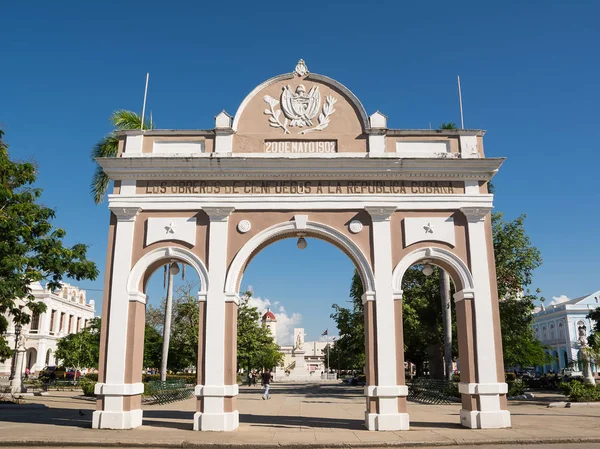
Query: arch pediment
{"type": "Point", "coordinates": [300, 107]}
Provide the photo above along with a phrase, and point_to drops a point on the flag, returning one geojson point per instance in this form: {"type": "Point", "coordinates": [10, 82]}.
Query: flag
{"type": "Point", "coordinates": [326, 332]}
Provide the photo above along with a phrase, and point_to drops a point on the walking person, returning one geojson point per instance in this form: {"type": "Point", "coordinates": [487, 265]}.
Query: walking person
{"type": "Point", "coordinates": [266, 381]}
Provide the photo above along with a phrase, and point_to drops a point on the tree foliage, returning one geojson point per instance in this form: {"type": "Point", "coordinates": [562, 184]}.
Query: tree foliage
{"type": "Point", "coordinates": [256, 347]}
{"type": "Point", "coordinates": [516, 259]}
{"type": "Point", "coordinates": [82, 349]}
{"type": "Point", "coordinates": [348, 352]}
{"type": "Point", "coordinates": [108, 146]}
{"type": "Point", "coordinates": [422, 318]}
{"type": "Point", "coordinates": [183, 344]}
{"type": "Point", "coordinates": [31, 248]}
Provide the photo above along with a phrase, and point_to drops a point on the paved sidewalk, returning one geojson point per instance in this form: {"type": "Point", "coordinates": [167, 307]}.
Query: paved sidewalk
{"type": "Point", "coordinates": [297, 415]}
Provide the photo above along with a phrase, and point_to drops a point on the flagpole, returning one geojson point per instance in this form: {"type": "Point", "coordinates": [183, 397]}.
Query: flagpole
{"type": "Point", "coordinates": [462, 121]}
{"type": "Point", "coordinates": [144, 105]}
{"type": "Point", "coordinates": [328, 348]}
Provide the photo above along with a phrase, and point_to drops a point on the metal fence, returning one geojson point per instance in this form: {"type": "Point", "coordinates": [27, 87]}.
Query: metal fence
{"type": "Point", "coordinates": [160, 392]}
{"type": "Point", "coordinates": [430, 391]}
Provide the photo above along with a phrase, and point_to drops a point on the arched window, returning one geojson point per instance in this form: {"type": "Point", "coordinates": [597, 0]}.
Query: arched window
{"type": "Point", "coordinates": [536, 332]}
{"type": "Point", "coordinates": [561, 330]}
{"type": "Point", "coordinates": [48, 356]}
{"type": "Point", "coordinates": [65, 293]}
{"type": "Point", "coordinates": [552, 333]}
{"type": "Point", "coordinates": [81, 301]}
{"type": "Point", "coordinates": [544, 333]}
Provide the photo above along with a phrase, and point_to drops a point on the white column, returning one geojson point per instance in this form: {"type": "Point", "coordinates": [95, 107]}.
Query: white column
{"type": "Point", "coordinates": [214, 390]}
{"type": "Point", "coordinates": [40, 361]}
{"type": "Point", "coordinates": [387, 390]}
{"type": "Point", "coordinates": [114, 388]}
{"type": "Point", "coordinates": [487, 387]}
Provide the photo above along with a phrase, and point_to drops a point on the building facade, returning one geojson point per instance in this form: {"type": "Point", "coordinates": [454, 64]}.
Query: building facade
{"type": "Point", "coordinates": [557, 326]}
{"type": "Point", "coordinates": [67, 311]}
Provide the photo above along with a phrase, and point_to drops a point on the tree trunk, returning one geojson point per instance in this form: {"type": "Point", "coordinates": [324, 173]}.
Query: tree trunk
{"type": "Point", "coordinates": [436, 362]}
{"type": "Point", "coordinates": [447, 320]}
{"type": "Point", "coordinates": [167, 326]}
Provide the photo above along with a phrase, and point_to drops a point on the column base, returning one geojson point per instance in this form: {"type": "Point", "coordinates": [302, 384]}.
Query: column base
{"type": "Point", "coordinates": [102, 419]}
{"type": "Point", "coordinates": [389, 421]}
{"type": "Point", "coordinates": [475, 419]}
{"type": "Point", "coordinates": [216, 422]}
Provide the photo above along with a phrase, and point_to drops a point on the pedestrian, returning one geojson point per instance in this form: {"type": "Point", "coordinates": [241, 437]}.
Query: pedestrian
{"type": "Point", "coordinates": [254, 376]}
{"type": "Point", "coordinates": [26, 373]}
{"type": "Point", "coordinates": [266, 381]}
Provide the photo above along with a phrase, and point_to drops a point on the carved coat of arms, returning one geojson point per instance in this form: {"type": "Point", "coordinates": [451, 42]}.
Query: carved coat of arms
{"type": "Point", "coordinates": [300, 107]}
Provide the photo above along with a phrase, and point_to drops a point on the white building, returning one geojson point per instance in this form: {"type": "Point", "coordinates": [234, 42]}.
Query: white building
{"type": "Point", "coordinates": [557, 326]}
{"type": "Point", "coordinates": [67, 312]}
{"type": "Point", "coordinates": [304, 360]}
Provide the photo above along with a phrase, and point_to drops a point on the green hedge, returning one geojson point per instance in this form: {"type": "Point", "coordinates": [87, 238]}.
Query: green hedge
{"type": "Point", "coordinates": [92, 376]}
{"type": "Point", "coordinates": [87, 385]}
{"type": "Point", "coordinates": [577, 391]}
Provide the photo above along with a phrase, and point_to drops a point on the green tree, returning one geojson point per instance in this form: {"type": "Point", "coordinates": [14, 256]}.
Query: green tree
{"type": "Point", "coordinates": [82, 349]}
{"type": "Point", "coordinates": [256, 347]}
{"type": "Point", "coordinates": [449, 125]}
{"type": "Point", "coordinates": [516, 259]}
{"type": "Point", "coordinates": [183, 345]}
{"type": "Point", "coordinates": [31, 248]}
{"type": "Point", "coordinates": [348, 352]}
{"type": "Point", "coordinates": [422, 321]}
{"type": "Point", "coordinates": [108, 146]}
{"type": "Point", "coordinates": [152, 347]}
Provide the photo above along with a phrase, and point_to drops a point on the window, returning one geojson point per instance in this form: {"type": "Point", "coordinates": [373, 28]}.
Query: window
{"type": "Point", "coordinates": [70, 324]}
{"type": "Point", "coordinates": [544, 333]}
{"type": "Point", "coordinates": [78, 324]}
{"type": "Point", "coordinates": [84, 324]}
{"type": "Point", "coordinates": [61, 325]}
{"type": "Point", "coordinates": [52, 321]}
{"type": "Point", "coordinates": [561, 330]}
{"type": "Point", "coordinates": [35, 322]}
{"type": "Point", "coordinates": [552, 333]}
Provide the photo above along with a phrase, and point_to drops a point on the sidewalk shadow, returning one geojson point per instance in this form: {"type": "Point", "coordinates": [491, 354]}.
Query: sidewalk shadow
{"type": "Point", "coordinates": [68, 417]}
{"type": "Point", "coordinates": [302, 421]}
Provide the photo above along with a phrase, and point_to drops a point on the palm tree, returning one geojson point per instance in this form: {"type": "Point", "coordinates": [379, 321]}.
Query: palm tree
{"type": "Point", "coordinates": [449, 125]}
{"type": "Point", "coordinates": [108, 146]}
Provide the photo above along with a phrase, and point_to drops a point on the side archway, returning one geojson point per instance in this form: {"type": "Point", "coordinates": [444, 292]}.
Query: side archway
{"type": "Point", "coordinates": [450, 262]}
{"type": "Point", "coordinates": [155, 257]}
{"type": "Point", "coordinates": [290, 229]}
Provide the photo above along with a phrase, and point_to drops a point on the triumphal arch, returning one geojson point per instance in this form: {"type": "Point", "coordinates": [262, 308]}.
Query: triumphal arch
{"type": "Point", "coordinates": [301, 157]}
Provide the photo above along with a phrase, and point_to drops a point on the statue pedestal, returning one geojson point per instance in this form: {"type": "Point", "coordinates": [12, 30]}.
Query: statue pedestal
{"type": "Point", "coordinates": [16, 384]}
{"type": "Point", "coordinates": [299, 357]}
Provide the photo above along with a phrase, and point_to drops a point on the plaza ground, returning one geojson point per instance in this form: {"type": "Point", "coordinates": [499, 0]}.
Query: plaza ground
{"type": "Point", "coordinates": [297, 414]}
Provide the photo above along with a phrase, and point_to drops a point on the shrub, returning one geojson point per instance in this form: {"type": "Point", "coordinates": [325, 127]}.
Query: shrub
{"type": "Point", "coordinates": [91, 376]}
{"type": "Point", "coordinates": [456, 378]}
{"type": "Point", "coordinates": [516, 387]}
{"type": "Point", "coordinates": [87, 385]}
{"type": "Point", "coordinates": [452, 390]}
{"type": "Point", "coordinates": [509, 377]}
{"type": "Point", "coordinates": [580, 392]}
{"type": "Point", "coordinates": [188, 378]}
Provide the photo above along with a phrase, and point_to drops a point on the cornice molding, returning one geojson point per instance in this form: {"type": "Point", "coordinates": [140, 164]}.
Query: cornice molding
{"type": "Point", "coordinates": [217, 167]}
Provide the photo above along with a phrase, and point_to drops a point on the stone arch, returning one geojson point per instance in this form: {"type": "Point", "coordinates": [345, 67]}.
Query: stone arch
{"type": "Point", "coordinates": [153, 259]}
{"type": "Point", "coordinates": [290, 229]}
{"type": "Point", "coordinates": [459, 272]}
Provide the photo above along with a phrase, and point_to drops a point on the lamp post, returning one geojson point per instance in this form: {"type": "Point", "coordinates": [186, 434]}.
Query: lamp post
{"type": "Point", "coordinates": [18, 328]}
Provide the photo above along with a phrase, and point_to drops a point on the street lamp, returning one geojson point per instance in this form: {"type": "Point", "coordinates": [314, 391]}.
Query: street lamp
{"type": "Point", "coordinates": [301, 242]}
{"type": "Point", "coordinates": [18, 328]}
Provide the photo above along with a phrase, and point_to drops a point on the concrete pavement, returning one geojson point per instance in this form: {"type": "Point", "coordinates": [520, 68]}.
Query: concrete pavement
{"type": "Point", "coordinates": [297, 415]}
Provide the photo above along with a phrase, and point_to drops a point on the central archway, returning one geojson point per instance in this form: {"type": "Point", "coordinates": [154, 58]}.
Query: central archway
{"type": "Point", "coordinates": [293, 228]}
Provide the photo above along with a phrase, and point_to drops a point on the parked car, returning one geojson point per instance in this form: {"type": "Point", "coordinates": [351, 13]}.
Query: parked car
{"type": "Point", "coordinates": [360, 380]}
{"type": "Point", "coordinates": [570, 372]}
{"type": "Point", "coordinates": [72, 374]}
{"type": "Point", "coordinates": [53, 372]}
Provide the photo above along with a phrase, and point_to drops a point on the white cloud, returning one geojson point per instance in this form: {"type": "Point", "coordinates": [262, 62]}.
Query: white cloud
{"type": "Point", "coordinates": [559, 300]}
{"type": "Point", "coordinates": [285, 323]}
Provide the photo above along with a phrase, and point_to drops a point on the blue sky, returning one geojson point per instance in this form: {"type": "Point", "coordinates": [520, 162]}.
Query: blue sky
{"type": "Point", "coordinates": [529, 74]}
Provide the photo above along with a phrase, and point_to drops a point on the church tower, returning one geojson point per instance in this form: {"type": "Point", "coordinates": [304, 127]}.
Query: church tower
{"type": "Point", "coordinates": [270, 322]}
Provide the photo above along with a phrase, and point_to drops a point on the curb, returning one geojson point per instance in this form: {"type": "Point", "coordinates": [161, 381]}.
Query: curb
{"type": "Point", "coordinates": [382, 444]}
